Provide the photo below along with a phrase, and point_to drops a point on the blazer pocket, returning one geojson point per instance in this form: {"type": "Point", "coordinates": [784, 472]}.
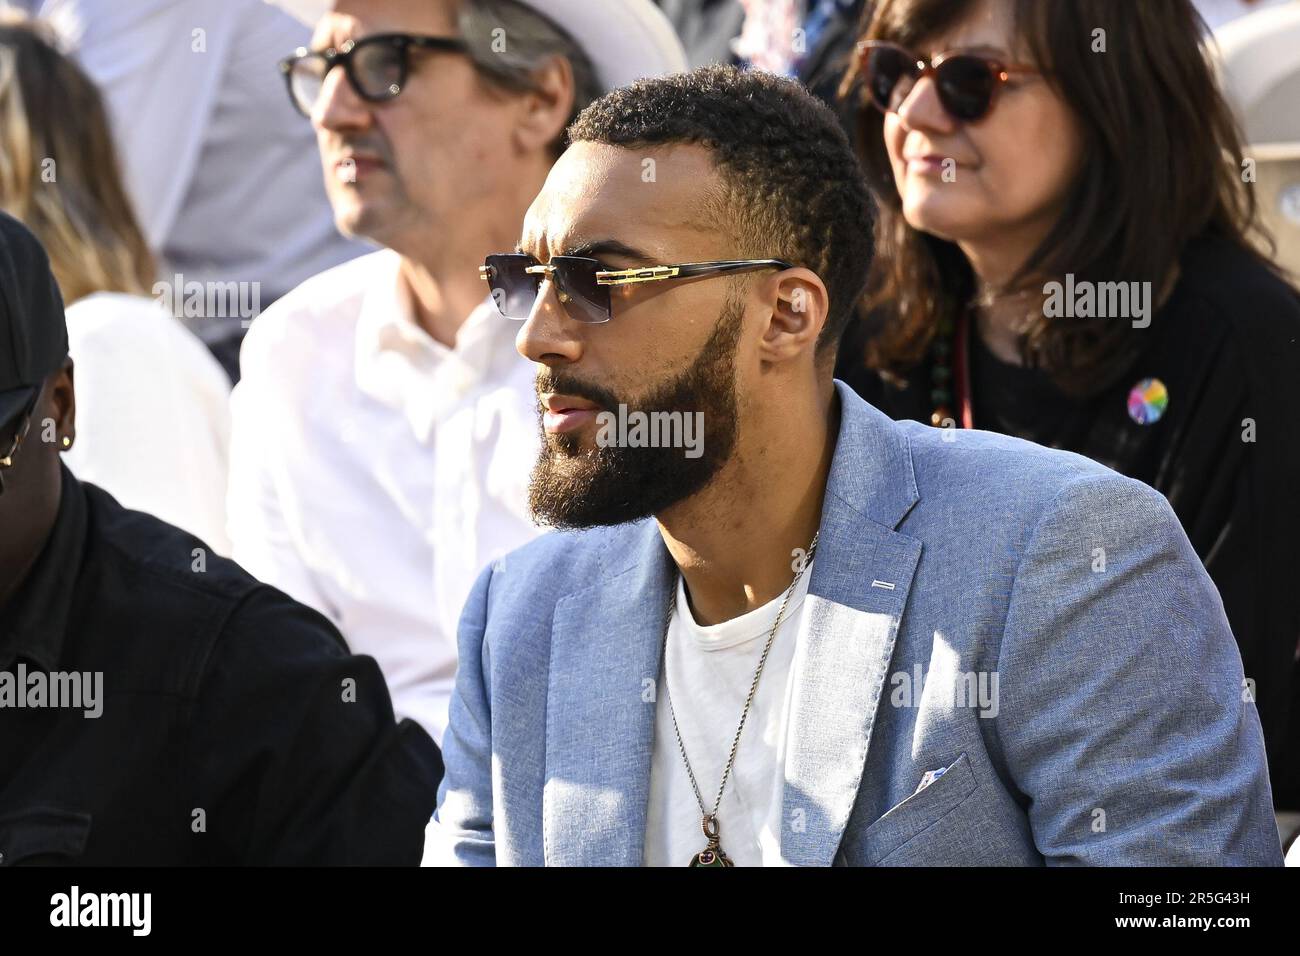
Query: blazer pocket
{"type": "Point", "coordinates": [43, 835]}
{"type": "Point", "coordinates": [918, 812]}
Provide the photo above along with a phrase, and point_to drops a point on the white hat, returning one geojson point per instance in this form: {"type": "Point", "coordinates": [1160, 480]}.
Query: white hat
{"type": "Point", "coordinates": [624, 39]}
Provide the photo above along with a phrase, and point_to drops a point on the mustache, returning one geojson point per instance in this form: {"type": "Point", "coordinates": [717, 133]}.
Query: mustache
{"type": "Point", "coordinates": [366, 145]}
{"type": "Point", "coordinates": [562, 383]}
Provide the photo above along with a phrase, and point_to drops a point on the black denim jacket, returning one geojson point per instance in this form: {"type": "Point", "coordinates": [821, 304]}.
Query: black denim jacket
{"type": "Point", "coordinates": [234, 727]}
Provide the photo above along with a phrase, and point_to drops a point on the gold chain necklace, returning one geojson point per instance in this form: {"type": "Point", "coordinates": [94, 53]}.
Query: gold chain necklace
{"type": "Point", "coordinates": [712, 854]}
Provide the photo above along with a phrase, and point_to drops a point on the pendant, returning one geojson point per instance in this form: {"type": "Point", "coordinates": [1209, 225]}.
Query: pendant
{"type": "Point", "coordinates": [712, 854]}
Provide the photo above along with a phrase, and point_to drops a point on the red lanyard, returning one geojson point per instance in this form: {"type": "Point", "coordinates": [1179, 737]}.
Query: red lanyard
{"type": "Point", "coordinates": [961, 372]}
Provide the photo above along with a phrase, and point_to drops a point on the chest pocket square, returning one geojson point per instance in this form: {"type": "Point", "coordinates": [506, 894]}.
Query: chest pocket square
{"type": "Point", "coordinates": [929, 777]}
{"type": "Point", "coordinates": [945, 790]}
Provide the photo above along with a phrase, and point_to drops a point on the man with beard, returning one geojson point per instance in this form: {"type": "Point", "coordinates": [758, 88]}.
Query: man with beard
{"type": "Point", "coordinates": [830, 638]}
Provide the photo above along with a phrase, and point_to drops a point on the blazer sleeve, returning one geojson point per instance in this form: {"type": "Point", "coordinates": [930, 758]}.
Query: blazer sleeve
{"type": "Point", "coordinates": [1123, 719]}
{"type": "Point", "coordinates": [460, 833]}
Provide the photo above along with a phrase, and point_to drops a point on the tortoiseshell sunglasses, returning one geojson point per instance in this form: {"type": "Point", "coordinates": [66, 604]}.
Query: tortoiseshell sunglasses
{"type": "Point", "coordinates": [966, 83]}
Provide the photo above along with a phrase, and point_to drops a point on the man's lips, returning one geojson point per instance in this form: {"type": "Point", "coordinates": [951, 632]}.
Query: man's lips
{"type": "Point", "coordinates": [352, 166]}
{"type": "Point", "coordinates": [563, 413]}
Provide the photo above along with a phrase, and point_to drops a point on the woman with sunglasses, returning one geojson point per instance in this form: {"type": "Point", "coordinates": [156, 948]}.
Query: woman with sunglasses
{"type": "Point", "coordinates": [1064, 253]}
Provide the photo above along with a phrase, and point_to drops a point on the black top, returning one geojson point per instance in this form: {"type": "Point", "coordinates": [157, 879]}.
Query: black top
{"type": "Point", "coordinates": [1226, 346]}
{"type": "Point", "coordinates": [235, 727]}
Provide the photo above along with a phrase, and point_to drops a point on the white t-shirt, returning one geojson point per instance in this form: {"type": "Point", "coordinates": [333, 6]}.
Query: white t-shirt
{"type": "Point", "coordinates": [153, 413]}
{"type": "Point", "coordinates": [709, 671]}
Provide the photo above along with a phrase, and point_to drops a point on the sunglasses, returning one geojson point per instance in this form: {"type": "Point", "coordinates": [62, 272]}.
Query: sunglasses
{"type": "Point", "coordinates": [966, 83]}
{"type": "Point", "coordinates": [376, 67]}
{"type": "Point", "coordinates": [16, 430]}
{"type": "Point", "coordinates": [584, 286]}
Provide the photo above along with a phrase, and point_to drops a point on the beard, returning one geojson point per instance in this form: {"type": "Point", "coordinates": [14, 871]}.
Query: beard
{"type": "Point", "coordinates": [572, 487]}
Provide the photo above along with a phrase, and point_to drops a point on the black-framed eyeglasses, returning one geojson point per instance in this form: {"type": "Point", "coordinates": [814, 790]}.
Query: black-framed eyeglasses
{"type": "Point", "coordinates": [13, 433]}
{"type": "Point", "coordinates": [376, 66]}
{"type": "Point", "coordinates": [584, 285]}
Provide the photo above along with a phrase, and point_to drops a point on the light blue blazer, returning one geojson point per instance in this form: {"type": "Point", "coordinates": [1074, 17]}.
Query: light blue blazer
{"type": "Point", "coordinates": [1031, 623]}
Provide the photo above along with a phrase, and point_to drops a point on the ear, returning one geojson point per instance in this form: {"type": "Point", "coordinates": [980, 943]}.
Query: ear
{"type": "Point", "coordinates": [799, 302]}
{"type": "Point", "coordinates": [544, 110]}
{"type": "Point", "coordinates": [61, 406]}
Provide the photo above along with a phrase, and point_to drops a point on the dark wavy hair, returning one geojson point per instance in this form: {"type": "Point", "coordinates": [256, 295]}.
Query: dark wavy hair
{"type": "Point", "coordinates": [1163, 165]}
{"type": "Point", "coordinates": [793, 188]}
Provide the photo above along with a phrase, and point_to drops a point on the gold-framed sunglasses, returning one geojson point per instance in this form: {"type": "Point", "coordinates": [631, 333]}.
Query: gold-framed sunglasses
{"type": "Point", "coordinates": [583, 285]}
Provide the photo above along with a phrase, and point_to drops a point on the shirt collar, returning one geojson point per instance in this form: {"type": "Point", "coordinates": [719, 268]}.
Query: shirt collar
{"type": "Point", "coordinates": [36, 621]}
{"type": "Point", "coordinates": [401, 366]}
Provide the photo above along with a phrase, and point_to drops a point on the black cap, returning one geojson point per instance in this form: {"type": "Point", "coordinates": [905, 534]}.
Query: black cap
{"type": "Point", "coordinates": [33, 331]}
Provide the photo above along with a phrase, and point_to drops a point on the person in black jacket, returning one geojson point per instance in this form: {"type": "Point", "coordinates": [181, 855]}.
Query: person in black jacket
{"type": "Point", "coordinates": [158, 705]}
{"type": "Point", "coordinates": [1065, 252]}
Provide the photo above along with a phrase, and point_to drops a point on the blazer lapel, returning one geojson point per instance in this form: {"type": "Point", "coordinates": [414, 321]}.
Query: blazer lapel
{"type": "Point", "coordinates": [606, 644]}
{"type": "Point", "coordinates": [860, 582]}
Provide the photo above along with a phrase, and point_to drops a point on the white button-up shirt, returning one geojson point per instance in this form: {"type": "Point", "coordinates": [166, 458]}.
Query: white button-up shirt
{"type": "Point", "coordinates": [375, 472]}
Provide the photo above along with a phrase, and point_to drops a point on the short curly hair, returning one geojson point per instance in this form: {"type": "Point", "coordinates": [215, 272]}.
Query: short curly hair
{"type": "Point", "coordinates": [792, 186]}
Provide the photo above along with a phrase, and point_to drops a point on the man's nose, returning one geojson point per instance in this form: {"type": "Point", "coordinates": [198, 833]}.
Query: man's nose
{"type": "Point", "coordinates": [548, 336]}
{"type": "Point", "coordinates": [338, 107]}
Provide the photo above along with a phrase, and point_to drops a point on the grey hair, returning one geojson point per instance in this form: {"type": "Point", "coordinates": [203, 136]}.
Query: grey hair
{"type": "Point", "coordinates": [509, 41]}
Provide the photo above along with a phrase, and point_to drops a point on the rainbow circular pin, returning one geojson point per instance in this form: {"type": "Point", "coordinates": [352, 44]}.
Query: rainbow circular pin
{"type": "Point", "coordinates": [1147, 401]}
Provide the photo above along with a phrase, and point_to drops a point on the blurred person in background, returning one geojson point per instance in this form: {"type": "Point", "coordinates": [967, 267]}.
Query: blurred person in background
{"type": "Point", "coordinates": [806, 39]}
{"type": "Point", "coordinates": [154, 403]}
{"type": "Point", "coordinates": [384, 425]}
{"type": "Point", "coordinates": [1063, 254]}
{"type": "Point", "coordinates": [706, 27]}
{"type": "Point", "coordinates": [811, 40]}
{"type": "Point", "coordinates": [216, 165]}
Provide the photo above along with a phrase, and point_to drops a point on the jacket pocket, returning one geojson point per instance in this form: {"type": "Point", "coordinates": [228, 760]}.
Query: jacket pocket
{"type": "Point", "coordinates": [43, 835]}
{"type": "Point", "coordinates": [917, 813]}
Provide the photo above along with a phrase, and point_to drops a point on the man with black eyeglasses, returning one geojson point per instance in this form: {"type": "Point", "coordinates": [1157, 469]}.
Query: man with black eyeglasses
{"type": "Point", "coordinates": [384, 425]}
{"type": "Point", "coordinates": [158, 706]}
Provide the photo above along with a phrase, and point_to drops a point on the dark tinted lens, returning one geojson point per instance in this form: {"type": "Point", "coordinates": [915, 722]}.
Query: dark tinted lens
{"type": "Point", "coordinates": [890, 74]}
{"type": "Point", "coordinates": [582, 298]}
{"type": "Point", "coordinates": [965, 86]}
{"type": "Point", "coordinates": [306, 77]}
{"type": "Point", "coordinates": [379, 68]}
{"type": "Point", "coordinates": [513, 290]}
